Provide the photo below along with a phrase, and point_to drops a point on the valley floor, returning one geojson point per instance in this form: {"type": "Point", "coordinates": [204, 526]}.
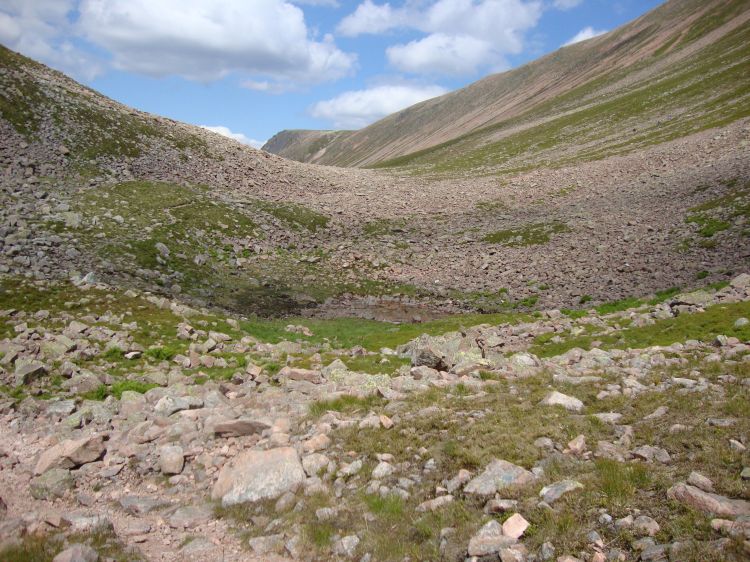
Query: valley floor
{"type": "Point", "coordinates": [139, 427]}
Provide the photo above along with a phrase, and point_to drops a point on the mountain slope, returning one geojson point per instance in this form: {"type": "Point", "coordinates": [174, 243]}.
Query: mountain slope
{"type": "Point", "coordinates": [303, 145]}
{"type": "Point", "coordinates": [668, 49]}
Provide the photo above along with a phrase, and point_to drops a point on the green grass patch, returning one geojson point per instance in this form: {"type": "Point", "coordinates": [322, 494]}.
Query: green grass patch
{"type": "Point", "coordinates": [344, 403]}
{"type": "Point", "coordinates": [294, 215]}
{"type": "Point", "coordinates": [703, 326]}
{"type": "Point", "coordinates": [117, 388]}
{"type": "Point", "coordinates": [529, 235]}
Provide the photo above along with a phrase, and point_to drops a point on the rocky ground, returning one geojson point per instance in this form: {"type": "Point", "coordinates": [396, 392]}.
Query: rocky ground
{"type": "Point", "coordinates": [142, 428]}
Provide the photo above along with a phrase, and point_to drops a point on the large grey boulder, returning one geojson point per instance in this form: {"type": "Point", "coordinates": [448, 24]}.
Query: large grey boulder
{"type": "Point", "coordinates": [259, 475]}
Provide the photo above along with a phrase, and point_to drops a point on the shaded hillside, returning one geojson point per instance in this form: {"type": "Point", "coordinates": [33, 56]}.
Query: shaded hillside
{"type": "Point", "coordinates": [303, 145]}
{"type": "Point", "coordinates": [683, 64]}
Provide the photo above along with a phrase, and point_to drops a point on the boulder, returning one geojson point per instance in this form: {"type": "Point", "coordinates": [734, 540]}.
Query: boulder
{"type": "Point", "coordinates": [258, 475]}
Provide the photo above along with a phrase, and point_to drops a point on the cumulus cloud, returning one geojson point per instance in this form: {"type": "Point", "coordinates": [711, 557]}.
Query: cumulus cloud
{"type": "Point", "coordinates": [566, 4]}
{"type": "Point", "coordinates": [460, 35]}
{"type": "Point", "coordinates": [586, 33]}
{"type": "Point", "coordinates": [204, 40]}
{"type": "Point", "coordinates": [358, 108]}
{"type": "Point", "coordinates": [196, 39]}
{"type": "Point", "coordinates": [227, 132]}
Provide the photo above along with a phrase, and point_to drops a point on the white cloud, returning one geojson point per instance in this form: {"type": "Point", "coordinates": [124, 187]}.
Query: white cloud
{"type": "Point", "coordinates": [372, 18]}
{"type": "Point", "coordinates": [227, 132]}
{"type": "Point", "coordinates": [204, 40]}
{"type": "Point", "coordinates": [586, 33]}
{"type": "Point", "coordinates": [358, 108]}
{"type": "Point", "coordinates": [196, 39]}
{"type": "Point", "coordinates": [41, 30]}
{"type": "Point", "coordinates": [444, 54]}
{"type": "Point", "coordinates": [326, 3]}
{"type": "Point", "coordinates": [460, 35]}
{"type": "Point", "coordinates": [566, 4]}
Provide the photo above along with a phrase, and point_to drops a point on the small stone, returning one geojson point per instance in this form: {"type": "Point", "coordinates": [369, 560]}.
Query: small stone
{"type": "Point", "coordinates": [515, 526]}
{"type": "Point", "coordinates": [645, 525]}
{"type": "Point", "coordinates": [577, 446]}
{"type": "Point", "coordinates": [383, 470]}
{"type": "Point", "coordinates": [500, 506]}
{"type": "Point", "coordinates": [434, 504]}
{"type": "Point", "coordinates": [346, 546]}
{"type": "Point", "coordinates": [699, 481]}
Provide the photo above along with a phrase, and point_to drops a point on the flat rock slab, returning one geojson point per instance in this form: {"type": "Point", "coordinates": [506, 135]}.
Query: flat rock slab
{"type": "Point", "coordinates": [71, 453]}
{"type": "Point", "coordinates": [570, 403]}
{"type": "Point", "coordinates": [498, 475]}
{"type": "Point", "coordinates": [139, 505]}
{"type": "Point", "coordinates": [259, 475]}
{"type": "Point", "coordinates": [240, 427]}
{"type": "Point", "coordinates": [190, 516]}
{"type": "Point", "coordinates": [707, 502]}
{"type": "Point", "coordinates": [554, 492]}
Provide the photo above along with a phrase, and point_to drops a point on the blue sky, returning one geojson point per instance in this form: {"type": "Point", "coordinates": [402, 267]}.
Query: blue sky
{"type": "Point", "coordinates": [251, 68]}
